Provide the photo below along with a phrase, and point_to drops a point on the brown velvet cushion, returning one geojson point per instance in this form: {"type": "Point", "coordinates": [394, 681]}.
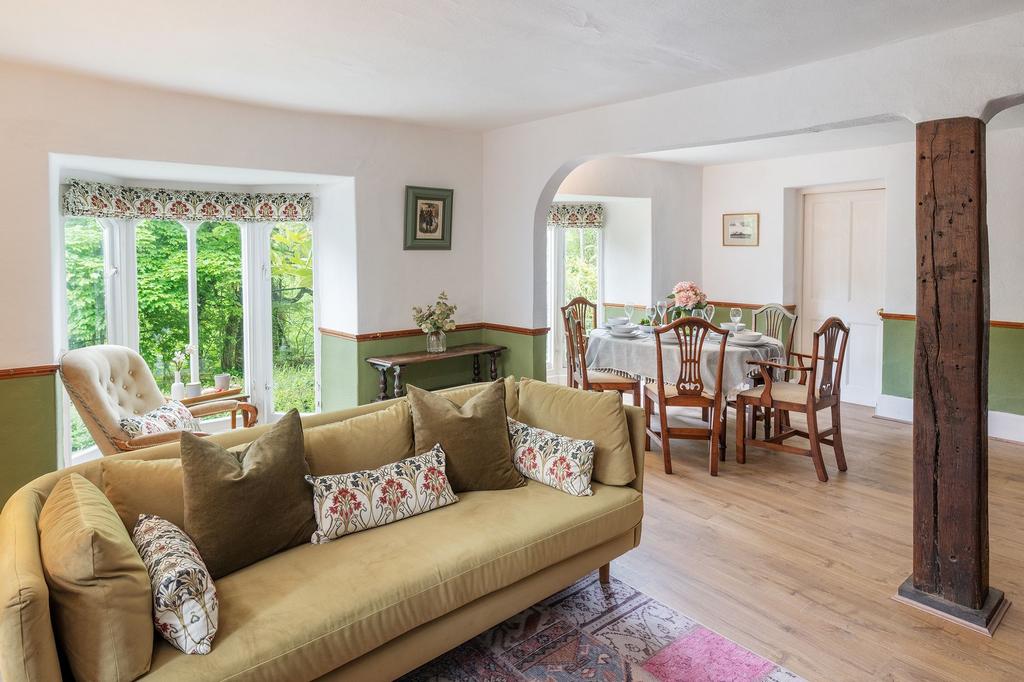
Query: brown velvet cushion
{"type": "Point", "coordinates": [136, 486]}
{"type": "Point", "coordinates": [99, 588]}
{"type": "Point", "coordinates": [473, 436]}
{"type": "Point", "coordinates": [244, 506]}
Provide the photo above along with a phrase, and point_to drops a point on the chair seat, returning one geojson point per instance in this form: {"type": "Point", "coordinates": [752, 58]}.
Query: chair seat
{"type": "Point", "coordinates": [671, 391]}
{"type": "Point", "coordinates": [782, 391]}
{"type": "Point", "coordinates": [597, 376]}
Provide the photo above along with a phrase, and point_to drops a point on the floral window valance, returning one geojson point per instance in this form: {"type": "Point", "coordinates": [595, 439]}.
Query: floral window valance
{"type": "Point", "coordinates": [101, 200]}
{"type": "Point", "coordinates": [576, 215]}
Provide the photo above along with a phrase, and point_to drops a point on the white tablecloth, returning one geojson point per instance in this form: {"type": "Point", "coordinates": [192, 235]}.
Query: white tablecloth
{"type": "Point", "coordinates": [638, 357]}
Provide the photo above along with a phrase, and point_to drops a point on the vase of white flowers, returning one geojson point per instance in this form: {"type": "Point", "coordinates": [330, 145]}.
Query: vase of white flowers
{"type": "Point", "coordinates": [178, 360]}
{"type": "Point", "coordinates": [436, 319]}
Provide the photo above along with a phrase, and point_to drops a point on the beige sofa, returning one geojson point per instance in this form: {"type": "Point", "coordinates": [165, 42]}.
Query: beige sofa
{"type": "Point", "coordinates": [370, 606]}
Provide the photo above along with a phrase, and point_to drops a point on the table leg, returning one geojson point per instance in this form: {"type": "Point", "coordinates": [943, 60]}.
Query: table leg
{"type": "Point", "coordinates": [494, 366]}
{"type": "Point", "coordinates": [399, 388]}
{"type": "Point", "coordinates": [476, 368]}
{"type": "Point", "coordinates": [382, 383]}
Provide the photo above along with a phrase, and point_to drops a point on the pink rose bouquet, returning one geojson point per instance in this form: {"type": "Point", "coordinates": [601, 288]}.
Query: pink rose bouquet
{"type": "Point", "coordinates": [688, 295]}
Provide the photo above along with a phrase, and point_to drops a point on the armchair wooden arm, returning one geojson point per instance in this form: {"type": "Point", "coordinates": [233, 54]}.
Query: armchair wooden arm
{"type": "Point", "coordinates": [766, 366]}
{"type": "Point", "coordinates": [215, 407]}
{"type": "Point", "coordinates": [149, 440]}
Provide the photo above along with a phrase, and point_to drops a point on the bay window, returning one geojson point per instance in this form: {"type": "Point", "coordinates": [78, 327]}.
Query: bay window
{"type": "Point", "coordinates": [239, 293]}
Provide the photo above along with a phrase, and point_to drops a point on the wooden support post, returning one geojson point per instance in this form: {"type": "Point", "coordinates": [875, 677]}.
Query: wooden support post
{"type": "Point", "coordinates": [951, 549]}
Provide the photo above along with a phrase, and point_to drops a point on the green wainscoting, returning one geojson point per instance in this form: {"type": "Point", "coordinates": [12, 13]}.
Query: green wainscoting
{"type": "Point", "coordinates": [1005, 370]}
{"type": "Point", "coordinates": [347, 380]}
{"type": "Point", "coordinates": [28, 406]}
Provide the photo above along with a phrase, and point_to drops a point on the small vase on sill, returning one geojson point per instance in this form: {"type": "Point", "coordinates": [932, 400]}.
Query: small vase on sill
{"type": "Point", "coordinates": [437, 342]}
{"type": "Point", "coordinates": [177, 388]}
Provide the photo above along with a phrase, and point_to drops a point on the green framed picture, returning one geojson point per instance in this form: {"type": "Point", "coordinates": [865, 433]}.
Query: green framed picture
{"type": "Point", "coordinates": [428, 218]}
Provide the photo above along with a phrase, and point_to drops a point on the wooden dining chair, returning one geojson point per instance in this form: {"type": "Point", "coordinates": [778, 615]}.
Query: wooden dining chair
{"type": "Point", "coordinates": [581, 309]}
{"type": "Point", "coordinates": [819, 389]}
{"type": "Point", "coordinates": [687, 336]}
{"type": "Point", "coordinates": [776, 321]}
{"type": "Point", "coordinates": [596, 379]}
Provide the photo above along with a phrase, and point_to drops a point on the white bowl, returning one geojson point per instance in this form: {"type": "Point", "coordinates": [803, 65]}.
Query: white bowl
{"type": "Point", "coordinates": [734, 326]}
{"type": "Point", "coordinates": [623, 328]}
{"type": "Point", "coordinates": [750, 336]}
{"type": "Point", "coordinates": [616, 321]}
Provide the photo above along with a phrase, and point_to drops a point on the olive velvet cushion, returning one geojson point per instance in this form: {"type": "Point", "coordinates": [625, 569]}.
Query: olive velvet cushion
{"type": "Point", "coordinates": [99, 588]}
{"type": "Point", "coordinates": [243, 506]}
{"type": "Point", "coordinates": [139, 486]}
{"type": "Point", "coordinates": [474, 437]}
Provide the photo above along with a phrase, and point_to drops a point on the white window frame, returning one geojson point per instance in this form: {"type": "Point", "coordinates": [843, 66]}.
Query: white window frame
{"type": "Point", "coordinates": [556, 293]}
{"type": "Point", "coordinates": [121, 307]}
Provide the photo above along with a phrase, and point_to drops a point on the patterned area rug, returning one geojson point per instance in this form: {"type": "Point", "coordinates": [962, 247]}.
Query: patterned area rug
{"type": "Point", "coordinates": [608, 632]}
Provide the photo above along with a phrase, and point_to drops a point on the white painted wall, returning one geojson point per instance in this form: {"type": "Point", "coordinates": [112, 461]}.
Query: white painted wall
{"type": "Point", "coordinates": [675, 193]}
{"type": "Point", "coordinates": [766, 273]}
{"type": "Point", "coordinates": [51, 112]}
{"type": "Point", "coordinates": [969, 71]}
{"type": "Point", "coordinates": [627, 250]}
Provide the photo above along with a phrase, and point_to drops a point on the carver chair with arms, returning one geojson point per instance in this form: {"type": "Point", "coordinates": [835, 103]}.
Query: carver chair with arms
{"type": "Point", "coordinates": [109, 383]}
{"type": "Point", "coordinates": [819, 389]}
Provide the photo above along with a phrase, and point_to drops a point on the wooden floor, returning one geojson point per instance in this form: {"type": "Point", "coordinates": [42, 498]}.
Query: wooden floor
{"type": "Point", "coordinates": [803, 572]}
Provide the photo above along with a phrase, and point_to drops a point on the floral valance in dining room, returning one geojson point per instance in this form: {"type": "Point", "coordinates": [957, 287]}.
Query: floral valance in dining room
{"type": "Point", "coordinates": [576, 215]}
{"type": "Point", "coordinates": [100, 200]}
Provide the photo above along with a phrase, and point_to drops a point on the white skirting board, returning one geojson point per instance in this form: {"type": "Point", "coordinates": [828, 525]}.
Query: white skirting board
{"type": "Point", "coordinates": [1002, 425]}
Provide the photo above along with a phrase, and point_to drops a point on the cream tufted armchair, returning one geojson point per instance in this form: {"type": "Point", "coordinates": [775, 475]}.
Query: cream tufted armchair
{"type": "Point", "coordinates": [107, 383]}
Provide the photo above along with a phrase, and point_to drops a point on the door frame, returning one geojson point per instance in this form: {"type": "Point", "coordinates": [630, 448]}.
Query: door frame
{"type": "Point", "coordinates": [833, 188]}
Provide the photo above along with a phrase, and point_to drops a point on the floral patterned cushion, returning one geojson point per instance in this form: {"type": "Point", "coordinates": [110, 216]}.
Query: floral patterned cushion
{"type": "Point", "coordinates": [171, 416]}
{"type": "Point", "coordinates": [184, 597]}
{"type": "Point", "coordinates": [558, 461]}
{"type": "Point", "coordinates": [349, 503]}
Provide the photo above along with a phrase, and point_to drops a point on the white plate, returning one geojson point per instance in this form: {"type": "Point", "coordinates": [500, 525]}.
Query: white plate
{"type": "Point", "coordinates": [631, 334]}
{"type": "Point", "coordinates": [741, 341]}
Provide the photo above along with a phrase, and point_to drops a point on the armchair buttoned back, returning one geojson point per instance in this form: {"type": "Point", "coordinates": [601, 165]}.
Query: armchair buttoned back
{"type": "Point", "coordinates": [107, 383]}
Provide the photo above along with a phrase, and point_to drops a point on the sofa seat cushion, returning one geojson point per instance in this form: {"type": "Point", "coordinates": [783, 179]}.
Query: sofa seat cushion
{"type": "Point", "coordinates": [301, 613]}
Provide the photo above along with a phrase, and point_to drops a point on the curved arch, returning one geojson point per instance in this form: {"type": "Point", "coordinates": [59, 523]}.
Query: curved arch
{"type": "Point", "coordinates": [558, 176]}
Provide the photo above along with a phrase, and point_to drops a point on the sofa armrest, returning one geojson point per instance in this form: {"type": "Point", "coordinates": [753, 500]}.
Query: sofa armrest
{"type": "Point", "coordinates": [636, 421]}
{"type": "Point", "coordinates": [28, 648]}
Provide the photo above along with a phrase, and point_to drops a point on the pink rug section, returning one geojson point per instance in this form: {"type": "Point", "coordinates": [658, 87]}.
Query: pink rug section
{"type": "Point", "coordinates": [601, 633]}
{"type": "Point", "coordinates": [706, 656]}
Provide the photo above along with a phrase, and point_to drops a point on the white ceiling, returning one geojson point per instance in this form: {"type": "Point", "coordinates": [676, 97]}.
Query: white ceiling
{"type": "Point", "coordinates": [458, 63]}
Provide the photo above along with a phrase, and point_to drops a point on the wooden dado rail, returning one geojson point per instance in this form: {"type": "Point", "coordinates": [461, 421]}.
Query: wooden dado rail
{"type": "Point", "coordinates": [909, 317]}
{"type": "Point", "coordinates": [719, 305]}
{"type": "Point", "coordinates": [400, 333]}
{"type": "Point", "coordinates": [33, 371]}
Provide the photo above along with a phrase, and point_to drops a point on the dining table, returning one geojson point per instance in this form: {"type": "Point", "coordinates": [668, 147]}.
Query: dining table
{"type": "Point", "coordinates": [636, 356]}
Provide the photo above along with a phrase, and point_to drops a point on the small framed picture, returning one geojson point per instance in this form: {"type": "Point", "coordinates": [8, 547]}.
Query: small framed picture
{"type": "Point", "coordinates": [741, 229]}
{"type": "Point", "coordinates": [428, 218]}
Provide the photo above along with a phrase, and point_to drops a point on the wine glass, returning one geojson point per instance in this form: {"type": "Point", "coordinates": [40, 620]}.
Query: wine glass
{"type": "Point", "coordinates": [662, 307]}
{"type": "Point", "coordinates": [649, 314]}
{"type": "Point", "coordinates": [735, 314]}
{"type": "Point", "coordinates": [629, 309]}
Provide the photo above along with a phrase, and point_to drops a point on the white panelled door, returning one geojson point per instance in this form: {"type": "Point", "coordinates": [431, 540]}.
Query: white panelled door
{"type": "Point", "coordinates": [843, 273]}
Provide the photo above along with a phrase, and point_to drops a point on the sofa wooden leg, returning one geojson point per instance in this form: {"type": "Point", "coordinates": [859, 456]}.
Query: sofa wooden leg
{"type": "Point", "coordinates": [604, 574]}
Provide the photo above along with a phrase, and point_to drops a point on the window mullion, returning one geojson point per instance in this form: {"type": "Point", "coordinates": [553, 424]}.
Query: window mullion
{"type": "Point", "coordinates": [191, 229]}
{"type": "Point", "coordinates": [256, 315]}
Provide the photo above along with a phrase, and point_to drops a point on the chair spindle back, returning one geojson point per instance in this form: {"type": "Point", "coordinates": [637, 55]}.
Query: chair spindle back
{"type": "Point", "coordinates": [829, 353]}
{"type": "Point", "coordinates": [690, 334]}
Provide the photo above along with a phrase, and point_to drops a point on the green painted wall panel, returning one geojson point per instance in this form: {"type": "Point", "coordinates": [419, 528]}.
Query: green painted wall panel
{"type": "Point", "coordinates": [898, 358]}
{"type": "Point", "coordinates": [1005, 371]}
{"type": "Point", "coordinates": [347, 380]}
{"type": "Point", "coordinates": [28, 421]}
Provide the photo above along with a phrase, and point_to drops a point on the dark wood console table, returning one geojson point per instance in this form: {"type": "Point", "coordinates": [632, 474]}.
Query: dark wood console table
{"type": "Point", "coordinates": [396, 362]}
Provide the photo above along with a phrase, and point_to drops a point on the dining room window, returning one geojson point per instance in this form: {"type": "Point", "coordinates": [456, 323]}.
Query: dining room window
{"type": "Point", "coordinates": [575, 266]}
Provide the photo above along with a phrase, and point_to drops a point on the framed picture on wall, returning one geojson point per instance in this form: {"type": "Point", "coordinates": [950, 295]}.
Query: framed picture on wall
{"type": "Point", "coordinates": [741, 229]}
{"type": "Point", "coordinates": [428, 218]}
